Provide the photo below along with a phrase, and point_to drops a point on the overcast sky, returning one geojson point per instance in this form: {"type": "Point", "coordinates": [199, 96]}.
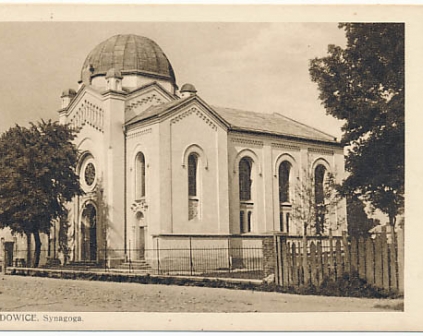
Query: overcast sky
{"type": "Point", "coordinates": [259, 67]}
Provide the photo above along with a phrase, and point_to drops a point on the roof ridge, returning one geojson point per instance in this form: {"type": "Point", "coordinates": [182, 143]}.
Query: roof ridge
{"type": "Point", "coordinates": [302, 124]}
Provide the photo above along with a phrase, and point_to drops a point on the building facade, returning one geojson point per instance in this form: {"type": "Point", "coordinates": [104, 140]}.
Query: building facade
{"type": "Point", "coordinates": [158, 163]}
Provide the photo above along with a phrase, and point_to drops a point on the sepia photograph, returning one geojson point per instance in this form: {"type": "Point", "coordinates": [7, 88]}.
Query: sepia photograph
{"type": "Point", "coordinates": [200, 166]}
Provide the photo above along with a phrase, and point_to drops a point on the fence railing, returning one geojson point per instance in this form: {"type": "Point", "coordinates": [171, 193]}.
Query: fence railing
{"type": "Point", "coordinates": [377, 260]}
{"type": "Point", "coordinates": [244, 262]}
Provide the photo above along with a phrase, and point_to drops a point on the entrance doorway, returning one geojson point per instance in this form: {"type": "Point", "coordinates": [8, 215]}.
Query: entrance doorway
{"type": "Point", "coordinates": [89, 233]}
{"type": "Point", "coordinates": [140, 226]}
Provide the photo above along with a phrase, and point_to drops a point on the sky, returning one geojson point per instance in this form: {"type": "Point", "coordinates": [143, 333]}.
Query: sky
{"type": "Point", "coordinates": [261, 67]}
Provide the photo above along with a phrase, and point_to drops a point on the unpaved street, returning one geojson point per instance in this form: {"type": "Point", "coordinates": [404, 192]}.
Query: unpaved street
{"type": "Point", "coordinates": [20, 293]}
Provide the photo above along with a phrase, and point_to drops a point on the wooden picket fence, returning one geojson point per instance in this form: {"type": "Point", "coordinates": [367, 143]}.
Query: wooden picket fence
{"type": "Point", "coordinates": [310, 260]}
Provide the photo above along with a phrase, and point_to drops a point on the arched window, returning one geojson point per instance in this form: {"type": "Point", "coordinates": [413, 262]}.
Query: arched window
{"type": "Point", "coordinates": [193, 186]}
{"type": "Point", "coordinates": [245, 194]}
{"type": "Point", "coordinates": [319, 196]}
{"type": "Point", "coordinates": [192, 174]}
{"type": "Point", "coordinates": [284, 171]}
{"type": "Point", "coordinates": [245, 181]}
{"type": "Point", "coordinates": [139, 176]}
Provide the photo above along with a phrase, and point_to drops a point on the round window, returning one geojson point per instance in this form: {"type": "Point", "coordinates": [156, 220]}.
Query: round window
{"type": "Point", "coordinates": [89, 174]}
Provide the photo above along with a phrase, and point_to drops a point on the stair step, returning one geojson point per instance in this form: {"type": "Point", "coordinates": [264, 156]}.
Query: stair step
{"type": "Point", "coordinates": [135, 264]}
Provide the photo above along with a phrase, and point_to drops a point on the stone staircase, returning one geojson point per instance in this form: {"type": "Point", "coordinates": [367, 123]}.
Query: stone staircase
{"type": "Point", "coordinates": [133, 266]}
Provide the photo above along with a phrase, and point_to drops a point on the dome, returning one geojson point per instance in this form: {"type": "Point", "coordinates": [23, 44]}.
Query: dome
{"type": "Point", "coordinates": [188, 88]}
{"type": "Point", "coordinates": [68, 92]}
{"type": "Point", "coordinates": [129, 54]}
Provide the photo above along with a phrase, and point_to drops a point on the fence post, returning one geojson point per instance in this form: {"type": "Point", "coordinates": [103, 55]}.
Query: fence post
{"type": "Point", "coordinates": [331, 265]}
{"type": "Point", "coordinates": [229, 256]}
{"type": "Point", "coordinates": [378, 261]}
{"type": "Point", "coordinates": [190, 255]}
{"type": "Point", "coordinates": [158, 256]}
{"type": "Point", "coordinates": [313, 259]}
{"type": "Point", "coordinates": [393, 283]}
{"type": "Point", "coordinates": [283, 265]}
{"type": "Point", "coordinates": [294, 264]}
{"type": "Point", "coordinates": [353, 255]}
{"type": "Point", "coordinates": [370, 261]}
{"type": "Point", "coordinates": [346, 252]}
{"type": "Point", "coordinates": [339, 270]}
{"type": "Point", "coordinates": [385, 264]}
{"type": "Point", "coordinates": [320, 265]}
{"type": "Point", "coordinates": [305, 259]}
{"type": "Point", "coordinates": [361, 258]}
{"type": "Point", "coordinates": [277, 260]}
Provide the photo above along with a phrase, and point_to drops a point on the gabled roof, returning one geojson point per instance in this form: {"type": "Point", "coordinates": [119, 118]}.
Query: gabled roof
{"type": "Point", "coordinates": [274, 123]}
{"type": "Point", "coordinates": [239, 120]}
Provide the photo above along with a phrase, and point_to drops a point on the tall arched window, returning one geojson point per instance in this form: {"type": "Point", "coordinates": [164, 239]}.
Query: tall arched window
{"type": "Point", "coordinates": [193, 186]}
{"type": "Point", "coordinates": [245, 181]}
{"type": "Point", "coordinates": [192, 174]}
{"type": "Point", "coordinates": [139, 176]}
{"type": "Point", "coordinates": [284, 171]}
{"type": "Point", "coordinates": [284, 195]}
{"type": "Point", "coordinates": [245, 194]}
{"type": "Point", "coordinates": [319, 196]}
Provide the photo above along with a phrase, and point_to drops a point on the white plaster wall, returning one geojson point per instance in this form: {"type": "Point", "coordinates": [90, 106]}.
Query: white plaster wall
{"type": "Point", "coordinates": [143, 139]}
{"type": "Point", "coordinates": [237, 150]}
{"type": "Point", "coordinates": [197, 127]}
{"type": "Point", "coordinates": [291, 152]}
{"type": "Point", "coordinates": [114, 182]}
{"type": "Point", "coordinates": [270, 151]}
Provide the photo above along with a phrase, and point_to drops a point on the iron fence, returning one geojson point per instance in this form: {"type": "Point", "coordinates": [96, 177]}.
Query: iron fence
{"type": "Point", "coordinates": [244, 262]}
{"type": "Point", "coordinates": [225, 262]}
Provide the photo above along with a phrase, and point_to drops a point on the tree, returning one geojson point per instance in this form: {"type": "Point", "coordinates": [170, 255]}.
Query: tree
{"type": "Point", "coordinates": [363, 84]}
{"type": "Point", "coordinates": [316, 217]}
{"type": "Point", "coordinates": [359, 224]}
{"type": "Point", "coordinates": [37, 177]}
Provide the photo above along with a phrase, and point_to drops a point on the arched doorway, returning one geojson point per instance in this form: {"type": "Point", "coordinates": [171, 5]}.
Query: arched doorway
{"type": "Point", "coordinates": [140, 233]}
{"type": "Point", "coordinates": [89, 233]}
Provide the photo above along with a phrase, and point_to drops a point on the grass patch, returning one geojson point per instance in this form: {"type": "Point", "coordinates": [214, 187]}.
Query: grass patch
{"type": "Point", "coordinates": [397, 307]}
{"type": "Point", "coordinates": [348, 286]}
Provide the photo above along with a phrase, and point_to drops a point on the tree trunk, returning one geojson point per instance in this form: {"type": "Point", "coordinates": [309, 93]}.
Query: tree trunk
{"type": "Point", "coordinates": [392, 220]}
{"type": "Point", "coordinates": [28, 249]}
{"type": "Point", "coordinates": [37, 248]}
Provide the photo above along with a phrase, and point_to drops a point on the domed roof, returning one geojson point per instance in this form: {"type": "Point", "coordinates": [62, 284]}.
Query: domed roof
{"type": "Point", "coordinates": [130, 54]}
{"type": "Point", "coordinates": [188, 88]}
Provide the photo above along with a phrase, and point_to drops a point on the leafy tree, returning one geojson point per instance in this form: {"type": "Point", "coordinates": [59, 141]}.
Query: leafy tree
{"type": "Point", "coordinates": [37, 177]}
{"type": "Point", "coordinates": [363, 84]}
{"type": "Point", "coordinates": [359, 223]}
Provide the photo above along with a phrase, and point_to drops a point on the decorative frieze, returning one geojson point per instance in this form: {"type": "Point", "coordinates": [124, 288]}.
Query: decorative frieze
{"type": "Point", "coordinates": [88, 114]}
{"type": "Point", "coordinates": [139, 205]}
{"type": "Point", "coordinates": [244, 141]}
{"type": "Point", "coordinates": [139, 133]}
{"type": "Point", "coordinates": [193, 208]}
{"type": "Point", "coordinates": [149, 100]}
{"type": "Point", "coordinates": [285, 146]}
{"type": "Point", "coordinates": [198, 113]}
{"type": "Point", "coordinates": [322, 151]}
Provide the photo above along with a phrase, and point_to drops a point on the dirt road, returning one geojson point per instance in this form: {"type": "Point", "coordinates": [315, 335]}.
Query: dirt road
{"type": "Point", "coordinates": [42, 294]}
